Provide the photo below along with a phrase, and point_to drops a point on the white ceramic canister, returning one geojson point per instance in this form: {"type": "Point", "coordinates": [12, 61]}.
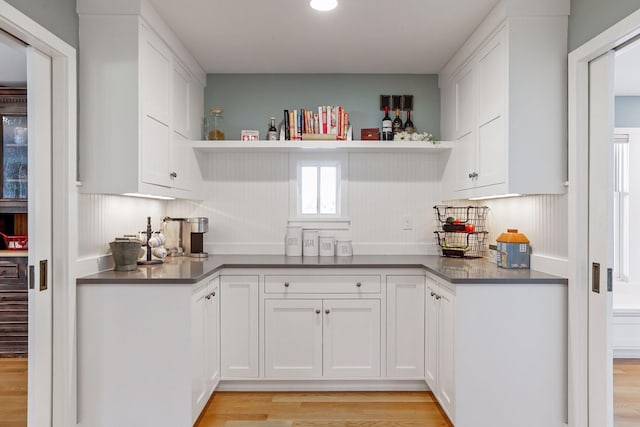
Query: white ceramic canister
{"type": "Point", "coordinates": [293, 241]}
{"type": "Point", "coordinates": [327, 245]}
{"type": "Point", "coordinates": [310, 243]}
{"type": "Point", "coordinates": [344, 248]}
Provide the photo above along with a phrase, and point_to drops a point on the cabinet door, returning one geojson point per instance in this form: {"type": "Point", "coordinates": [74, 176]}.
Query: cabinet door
{"type": "Point", "coordinates": [180, 102]}
{"type": "Point", "coordinates": [212, 337]}
{"type": "Point", "coordinates": [405, 326]}
{"type": "Point", "coordinates": [466, 99]}
{"type": "Point", "coordinates": [239, 326]}
{"type": "Point", "coordinates": [293, 338]}
{"type": "Point", "coordinates": [465, 157]}
{"type": "Point", "coordinates": [198, 354]}
{"type": "Point", "coordinates": [183, 165]}
{"type": "Point", "coordinates": [431, 336]}
{"type": "Point", "coordinates": [446, 352]}
{"type": "Point", "coordinates": [492, 79]}
{"type": "Point", "coordinates": [155, 72]}
{"type": "Point", "coordinates": [154, 152]}
{"type": "Point", "coordinates": [351, 338]}
{"type": "Point", "coordinates": [492, 153]}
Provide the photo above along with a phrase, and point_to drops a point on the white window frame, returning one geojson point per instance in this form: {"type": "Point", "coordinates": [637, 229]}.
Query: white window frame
{"type": "Point", "coordinates": [621, 195]}
{"type": "Point", "coordinates": [339, 220]}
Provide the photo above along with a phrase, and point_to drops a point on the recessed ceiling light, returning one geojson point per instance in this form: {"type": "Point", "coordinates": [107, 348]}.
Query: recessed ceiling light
{"type": "Point", "coordinates": [323, 5]}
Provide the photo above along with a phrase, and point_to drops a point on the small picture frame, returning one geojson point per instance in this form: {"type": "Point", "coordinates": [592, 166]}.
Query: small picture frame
{"type": "Point", "coordinates": [249, 135]}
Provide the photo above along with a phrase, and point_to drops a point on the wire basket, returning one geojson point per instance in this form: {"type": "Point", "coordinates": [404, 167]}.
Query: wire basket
{"type": "Point", "coordinates": [461, 230]}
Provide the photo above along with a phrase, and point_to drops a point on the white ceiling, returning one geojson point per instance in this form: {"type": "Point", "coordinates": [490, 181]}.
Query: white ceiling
{"type": "Point", "coordinates": [287, 36]}
{"type": "Point", "coordinates": [627, 82]}
{"type": "Point", "coordinates": [13, 61]}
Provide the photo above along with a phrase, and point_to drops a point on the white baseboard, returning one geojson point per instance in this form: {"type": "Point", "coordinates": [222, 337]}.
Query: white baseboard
{"type": "Point", "coordinates": [94, 264]}
{"type": "Point", "coordinates": [321, 385]}
{"type": "Point", "coordinates": [626, 333]}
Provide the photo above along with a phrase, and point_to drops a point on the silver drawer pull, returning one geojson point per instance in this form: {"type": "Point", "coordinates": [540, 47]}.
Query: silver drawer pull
{"type": "Point", "coordinates": [433, 294]}
{"type": "Point", "coordinates": [327, 311]}
{"type": "Point", "coordinates": [438, 297]}
{"type": "Point", "coordinates": [359, 284]}
{"type": "Point", "coordinates": [317, 311]}
{"type": "Point", "coordinates": [286, 284]}
{"type": "Point", "coordinates": [213, 294]}
{"type": "Point", "coordinates": [208, 297]}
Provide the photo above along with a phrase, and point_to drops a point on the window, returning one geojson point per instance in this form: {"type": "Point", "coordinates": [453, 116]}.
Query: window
{"type": "Point", "coordinates": [318, 188]}
{"type": "Point", "coordinates": [621, 207]}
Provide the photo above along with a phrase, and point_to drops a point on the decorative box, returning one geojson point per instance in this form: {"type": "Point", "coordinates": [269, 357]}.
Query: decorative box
{"type": "Point", "coordinates": [371, 134]}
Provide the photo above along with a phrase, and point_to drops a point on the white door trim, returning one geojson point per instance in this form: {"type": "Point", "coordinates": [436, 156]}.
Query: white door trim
{"type": "Point", "coordinates": [578, 128]}
{"type": "Point", "coordinates": [65, 203]}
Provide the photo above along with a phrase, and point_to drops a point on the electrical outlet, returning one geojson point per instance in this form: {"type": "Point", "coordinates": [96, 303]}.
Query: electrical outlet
{"type": "Point", "coordinates": [407, 222]}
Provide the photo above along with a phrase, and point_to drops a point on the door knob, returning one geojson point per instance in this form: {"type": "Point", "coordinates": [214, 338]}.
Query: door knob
{"type": "Point", "coordinates": [173, 175]}
{"type": "Point", "coordinates": [359, 284]}
{"type": "Point", "coordinates": [286, 284]}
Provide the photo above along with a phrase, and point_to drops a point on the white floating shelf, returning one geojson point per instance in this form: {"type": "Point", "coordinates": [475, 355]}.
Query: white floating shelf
{"type": "Point", "coordinates": [356, 146]}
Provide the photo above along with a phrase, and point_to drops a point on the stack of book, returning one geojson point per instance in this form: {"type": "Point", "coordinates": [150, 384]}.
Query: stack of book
{"type": "Point", "coordinates": [329, 122]}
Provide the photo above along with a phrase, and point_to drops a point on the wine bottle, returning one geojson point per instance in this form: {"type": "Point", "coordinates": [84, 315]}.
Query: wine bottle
{"type": "Point", "coordinates": [272, 134]}
{"type": "Point", "coordinates": [408, 125]}
{"type": "Point", "coordinates": [397, 123]}
{"type": "Point", "coordinates": [387, 127]}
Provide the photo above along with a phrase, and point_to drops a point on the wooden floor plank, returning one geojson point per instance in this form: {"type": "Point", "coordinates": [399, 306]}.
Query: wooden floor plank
{"type": "Point", "coordinates": [13, 392]}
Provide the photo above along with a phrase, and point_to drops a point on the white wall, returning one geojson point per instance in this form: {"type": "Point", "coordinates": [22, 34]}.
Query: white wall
{"type": "Point", "coordinates": [246, 198]}
{"type": "Point", "coordinates": [102, 217]}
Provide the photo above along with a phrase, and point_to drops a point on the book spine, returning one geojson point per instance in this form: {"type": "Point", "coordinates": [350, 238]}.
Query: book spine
{"type": "Point", "coordinates": [292, 125]}
{"type": "Point", "coordinates": [299, 124]}
{"type": "Point", "coordinates": [316, 126]}
{"type": "Point", "coordinates": [324, 119]}
{"type": "Point", "coordinates": [287, 135]}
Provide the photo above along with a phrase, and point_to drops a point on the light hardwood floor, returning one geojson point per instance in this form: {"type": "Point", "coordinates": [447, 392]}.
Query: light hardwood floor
{"type": "Point", "coordinates": [13, 392]}
{"type": "Point", "coordinates": [626, 392]}
{"type": "Point", "coordinates": [410, 409]}
{"type": "Point", "coordinates": [336, 409]}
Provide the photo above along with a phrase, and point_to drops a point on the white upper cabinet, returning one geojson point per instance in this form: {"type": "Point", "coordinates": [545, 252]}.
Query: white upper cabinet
{"type": "Point", "coordinates": [139, 92]}
{"type": "Point", "coordinates": [503, 103]}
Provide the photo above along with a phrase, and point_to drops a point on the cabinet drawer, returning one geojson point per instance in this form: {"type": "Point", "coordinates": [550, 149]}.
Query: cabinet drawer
{"type": "Point", "coordinates": [9, 270]}
{"type": "Point", "coordinates": [329, 284]}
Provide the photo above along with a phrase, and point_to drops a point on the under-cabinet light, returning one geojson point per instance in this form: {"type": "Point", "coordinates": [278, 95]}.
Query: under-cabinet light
{"type": "Point", "coordinates": [501, 196]}
{"type": "Point", "coordinates": [148, 196]}
{"type": "Point", "coordinates": [323, 5]}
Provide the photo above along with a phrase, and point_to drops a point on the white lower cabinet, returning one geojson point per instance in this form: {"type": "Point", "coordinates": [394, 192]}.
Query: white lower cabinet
{"type": "Point", "coordinates": [314, 338]}
{"type": "Point", "coordinates": [405, 326]}
{"type": "Point", "coordinates": [239, 326]}
{"type": "Point", "coordinates": [205, 349]}
{"type": "Point", "coordinates": [439, 349]}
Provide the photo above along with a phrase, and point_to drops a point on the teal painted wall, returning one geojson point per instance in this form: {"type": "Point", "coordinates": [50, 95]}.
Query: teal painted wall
{"type": "Point", "coordinates": [249, 100]}
{"type": "Point", "coordinates": [57, 16]}
{"type": "Point", "coordinates": [627, 111]}
{"type": "Point", "coordinates": [591, 17]}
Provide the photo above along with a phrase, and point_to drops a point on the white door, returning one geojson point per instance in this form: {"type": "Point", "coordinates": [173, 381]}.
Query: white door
{"type": "Point", "coordinates": [431, 337]}
{"type": "Point", "coordinates": [351, 338]}
{"type": "Point", "coordinates": [293, 338]}
{"type": "Point", "coordinates": [601, 134]}
{"type": "Point", "coordinates": [212, 336]}
{"type": "Point", "coordinates": [39, 206]}
{"type": "Point", "coordinates": [405, 326]}
{"type": "Point", "coordinates": [198, 353]}
{"type": "Point", "coordinates": [239, 326]}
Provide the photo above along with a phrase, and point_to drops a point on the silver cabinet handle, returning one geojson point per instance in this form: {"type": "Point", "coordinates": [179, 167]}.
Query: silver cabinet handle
{"type": "Point", "coordinates": [359, 284]}
{"type": "Point", "coordinates": [208, 297]}
{"type": "Point", "coordinates": [438, 297]}
{"type": "Point", "coordinates": [433, 294]}
{"type": "Point", "coordinates": [286, 284]}
{"type": "Point", "coordinates": [470, 175]}
{"type": "Point", "coordinates": [213, 294]}
{"type": "Point", "coordinates": [317, 311]}
{"type": "Point", "coordinates": [473, 175]}
{"type": "Point", "coordinates": [327, 311]}
{"type": "Point", "coordinates": [173, 174]}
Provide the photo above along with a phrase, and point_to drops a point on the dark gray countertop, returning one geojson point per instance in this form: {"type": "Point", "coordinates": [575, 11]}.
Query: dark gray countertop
{"type": "Point", "coordinates": [191, 270]}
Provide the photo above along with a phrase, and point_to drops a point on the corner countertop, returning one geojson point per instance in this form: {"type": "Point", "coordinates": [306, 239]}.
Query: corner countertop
{"type": "Point", "coordinates": [190, 270]}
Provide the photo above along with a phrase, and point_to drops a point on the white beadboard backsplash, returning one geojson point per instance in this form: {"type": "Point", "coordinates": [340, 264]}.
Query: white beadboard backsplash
{"type": "Point", "coordinates": [103, 217]}
{"type": "Point", "coordinates": [246, 198]}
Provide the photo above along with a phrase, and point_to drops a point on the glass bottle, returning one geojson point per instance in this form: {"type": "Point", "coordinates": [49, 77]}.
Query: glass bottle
{"type": "Point", "coordinates": [408, 125]}
{"type": "Point", "coordinates": [215, 123]}
{"type": "Point", "coordinates": [272, 134]}
{"type": "Point", "coordinates": [387, 127]}
{"type": "Point", "coordinates": [397, 123]}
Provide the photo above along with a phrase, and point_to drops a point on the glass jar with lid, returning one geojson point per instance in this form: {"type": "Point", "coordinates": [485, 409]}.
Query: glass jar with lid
{"type": "Point", "coordinates": [215, 123]}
